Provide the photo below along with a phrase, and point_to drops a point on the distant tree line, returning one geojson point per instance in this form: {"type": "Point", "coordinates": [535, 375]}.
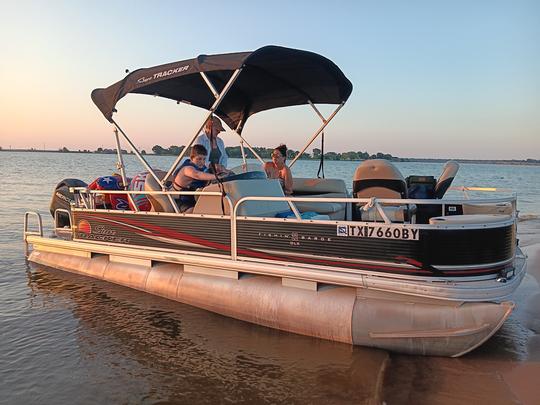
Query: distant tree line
{"type": "Point", "coordinates": [235, 152]}
{"type": "Point", "coordinates": [98, 150]}
{"type": "Point", "coordinates": [265, 153]}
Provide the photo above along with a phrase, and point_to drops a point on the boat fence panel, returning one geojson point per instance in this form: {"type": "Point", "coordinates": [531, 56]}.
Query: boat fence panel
{"type": "Point", "coordinates": [344, 243]}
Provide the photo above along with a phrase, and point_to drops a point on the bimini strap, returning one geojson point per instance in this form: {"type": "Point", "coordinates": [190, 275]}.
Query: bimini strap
{"type": "Point", "coordinates": [220, 185]}
{"type": "Point", "coordinates": [321, 163]}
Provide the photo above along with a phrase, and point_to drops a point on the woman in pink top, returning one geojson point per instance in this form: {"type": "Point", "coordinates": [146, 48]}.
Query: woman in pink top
{"type": "Point", "coordinates": [277, 169]}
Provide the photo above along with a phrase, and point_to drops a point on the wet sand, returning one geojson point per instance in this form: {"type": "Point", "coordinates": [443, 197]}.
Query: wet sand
{"type": "Point", "coordinates": [505, 370]}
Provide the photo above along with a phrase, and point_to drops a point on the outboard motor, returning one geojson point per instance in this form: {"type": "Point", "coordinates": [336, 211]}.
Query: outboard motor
{"type": "Point", "coordinates": [62, 198]}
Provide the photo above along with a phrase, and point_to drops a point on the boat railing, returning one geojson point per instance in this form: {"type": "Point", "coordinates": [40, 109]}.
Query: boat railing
{"type": "Point", "coordinates": [86, 200]}
{"type": "Point", "coordinates": [374, 202]}
{"type": "Point", "coordinates": [27, 232]}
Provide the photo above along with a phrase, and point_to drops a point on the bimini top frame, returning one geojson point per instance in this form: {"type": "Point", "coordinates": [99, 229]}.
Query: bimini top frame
{"type": "Point", "coordinates": [235, 86]}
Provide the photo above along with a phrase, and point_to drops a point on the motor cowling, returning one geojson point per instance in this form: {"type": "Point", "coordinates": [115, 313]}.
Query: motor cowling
{"type": "Point", "coordinates": [62, 198]}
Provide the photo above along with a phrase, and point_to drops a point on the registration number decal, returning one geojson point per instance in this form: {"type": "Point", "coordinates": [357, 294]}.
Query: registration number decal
{"type": "Point", "coordinates": [378, 231]}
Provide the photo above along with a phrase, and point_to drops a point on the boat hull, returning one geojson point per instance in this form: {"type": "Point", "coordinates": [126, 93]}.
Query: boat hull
{"type": "Point", "coordinates": [358, 316]}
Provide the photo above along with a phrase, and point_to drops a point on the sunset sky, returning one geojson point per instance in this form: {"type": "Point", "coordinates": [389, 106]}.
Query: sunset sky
{"type": "Point", "coordinates": [455, 79]}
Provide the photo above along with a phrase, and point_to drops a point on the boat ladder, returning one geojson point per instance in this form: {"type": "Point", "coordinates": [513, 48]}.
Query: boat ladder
{"type": "Point", "coordinates": [27, 231]}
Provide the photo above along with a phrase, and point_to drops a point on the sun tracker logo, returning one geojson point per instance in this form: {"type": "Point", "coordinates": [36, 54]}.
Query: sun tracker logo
{"type": "Point", "coordinates": [84, 227]}
{"type": "Point", "coordinates": [165, 73]}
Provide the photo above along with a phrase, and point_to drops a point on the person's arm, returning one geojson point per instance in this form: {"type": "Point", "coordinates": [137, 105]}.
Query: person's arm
{"type": "Point", "coordinates": [268, 167]}
{"type": "Point", "coordinates": [198, 175]}
{"type": "Point", "coordinates": [288, 181]}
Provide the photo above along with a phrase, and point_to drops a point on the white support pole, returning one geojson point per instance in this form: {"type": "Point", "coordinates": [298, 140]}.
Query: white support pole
{"type": "Point", "coordinates": [244, 163]}
{"type": "Point", "coordinates": [249, 147]}
{"type": "Point", "coordinates": [210, 112]}
{"type": "Point", "coordinates": [210, 85]}
{"type": "Point", "coordinates": [317, 111]}
{"type": "Point", "coordinates": [141, 158]}
{"type": "Point", "coordinates": [120, 166]}
{"type": "Point", "coordinates": [321, 128]}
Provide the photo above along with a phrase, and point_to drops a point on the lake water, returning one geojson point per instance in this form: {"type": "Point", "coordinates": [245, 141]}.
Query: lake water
{"type": "Point", "coordinates": [70, 339]}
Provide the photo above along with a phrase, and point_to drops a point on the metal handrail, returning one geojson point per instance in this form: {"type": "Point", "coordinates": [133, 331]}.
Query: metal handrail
{"type": "Point", "coordinates": [132, 192]}
{"type": "Point", "coordinates": [388, 201]}
{"type": "Point", "coordinates": [369, 203]}
{"type": "Point", "coordinates": [39, 232]}
{"type": "Point", "coordinates": [393, 201]}
{"type": "Point", "coordinates": [26, 232]}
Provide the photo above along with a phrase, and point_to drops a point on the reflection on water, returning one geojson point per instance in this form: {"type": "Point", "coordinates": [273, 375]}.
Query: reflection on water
{"type": "Point", "coordinates": [168, 351]}
{"type": "Point", "coordinates": [111, 343]}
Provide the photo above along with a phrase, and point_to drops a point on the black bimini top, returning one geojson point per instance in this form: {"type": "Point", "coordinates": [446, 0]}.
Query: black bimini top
{"type": "Point", "coordinates": [271, 77]}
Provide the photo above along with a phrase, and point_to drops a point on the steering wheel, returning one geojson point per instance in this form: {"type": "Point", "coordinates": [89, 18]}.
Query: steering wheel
{"type": "Point", "coordinates": [248, 167]}
{"type": "Point", "coordinates": [254, 175]}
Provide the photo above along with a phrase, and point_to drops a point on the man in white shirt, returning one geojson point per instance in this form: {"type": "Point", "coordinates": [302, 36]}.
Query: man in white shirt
{"type": "Point", "coordinates": [209, 138]}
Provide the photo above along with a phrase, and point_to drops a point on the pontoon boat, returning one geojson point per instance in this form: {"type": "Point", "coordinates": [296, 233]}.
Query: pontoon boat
{"type": "Point", "coordinates": [389, 262]}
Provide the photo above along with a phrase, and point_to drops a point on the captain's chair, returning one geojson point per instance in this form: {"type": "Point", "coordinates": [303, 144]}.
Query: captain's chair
{"type": "Point", "coordinates": [445, 179]}
{"type": "Point", "coordinates": [379, 178]}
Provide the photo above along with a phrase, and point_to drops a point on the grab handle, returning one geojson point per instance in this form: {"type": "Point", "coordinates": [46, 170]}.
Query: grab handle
{"type": "Point", "coordinates": [26, 232]}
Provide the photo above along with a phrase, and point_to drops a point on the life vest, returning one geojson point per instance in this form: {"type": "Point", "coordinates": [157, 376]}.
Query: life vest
{"type": "Point", "coordinates": [193, 186]}
{"type": "Point", "coordinates": [141, 201]}
{"type": "Point", "coordinates": [111, 201]}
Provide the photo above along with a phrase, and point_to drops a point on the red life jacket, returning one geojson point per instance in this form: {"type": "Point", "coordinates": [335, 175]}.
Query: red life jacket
{"type": "Point", "coordinates": [111, 201]}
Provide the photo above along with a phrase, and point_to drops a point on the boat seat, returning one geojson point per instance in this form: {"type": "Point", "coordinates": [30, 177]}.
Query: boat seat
{"type": "Point", "coordinates": [394, 214]}
{"type": "Point", "coordinates": [476, 219]}
{"type": "Point", "coordinates": [450, 170]}
{"type": "Point", "coordinates": [321, 188]}
{"type": "Point", "coordinates": [381, 179]}
{"type": "Point", "coordinates": [499, 208]}
{"type": "Point", "coordinates": [160, 202]}
{"type": "Point", "coordinates": [303, 185]}
{"type": "Point", "coordinates": [237, 189]}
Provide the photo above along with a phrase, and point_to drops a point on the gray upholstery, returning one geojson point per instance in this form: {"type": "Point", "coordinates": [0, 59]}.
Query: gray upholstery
{"type": "Point", "coordinates": [238, 189]}
{"type": "Point", "coordinates": [476, 219]}
{"type": "Point", "coordinates": [160, 203]}
{"type": "Point", "coordinates": [321, 188]}
{"type": "Point", "coordinates": [505, 208]}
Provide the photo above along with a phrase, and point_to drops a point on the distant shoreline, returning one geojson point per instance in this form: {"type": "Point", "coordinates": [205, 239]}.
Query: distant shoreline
{"type": "Point", "coordinates": [527, 162]}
